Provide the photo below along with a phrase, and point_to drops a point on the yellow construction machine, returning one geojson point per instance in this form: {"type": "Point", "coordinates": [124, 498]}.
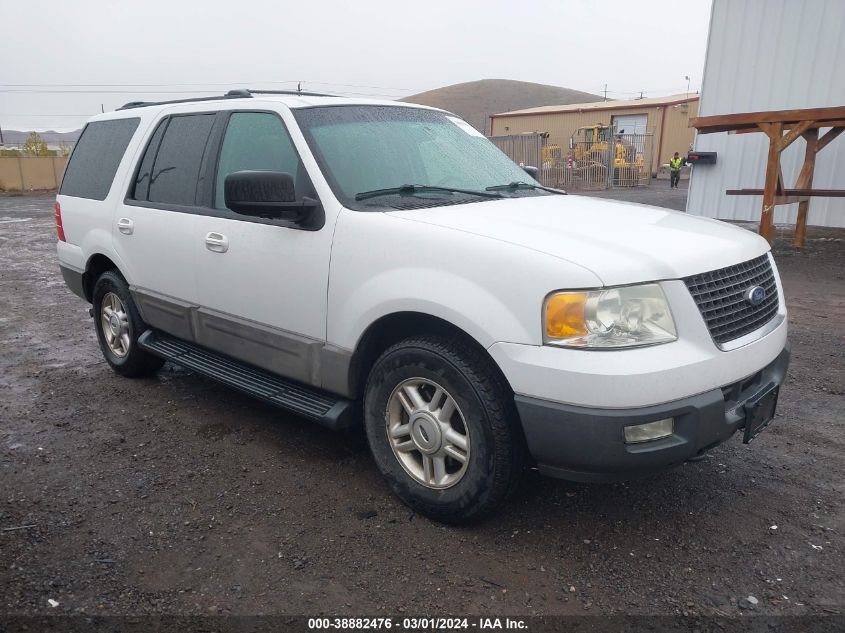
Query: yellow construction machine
{"type": "Point", "coordinates": [589, 145]}
{"type": "Point", "coordinates": [552, 156]}
{"type": "Point", "coordinates": [588, 156]}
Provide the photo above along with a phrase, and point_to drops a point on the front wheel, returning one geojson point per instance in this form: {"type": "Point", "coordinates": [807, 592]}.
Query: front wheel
{"type": "Point", "coordinates": [118, 326]}
{"type": "Point", "coordinates": [442, 428]}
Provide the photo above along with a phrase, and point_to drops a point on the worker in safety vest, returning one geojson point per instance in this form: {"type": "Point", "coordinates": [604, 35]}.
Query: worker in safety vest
{"type": "Point", "coordinates": [675, 164]}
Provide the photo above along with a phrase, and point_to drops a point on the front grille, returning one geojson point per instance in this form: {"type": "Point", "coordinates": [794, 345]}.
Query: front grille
{"type": "Point", "coordinates": [720, 295]}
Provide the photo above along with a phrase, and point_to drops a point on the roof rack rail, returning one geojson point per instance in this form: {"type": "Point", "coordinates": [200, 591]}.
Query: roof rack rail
{"type": "Point", "coordinates": [240, 93]}
{"type": "Point", "coordinates": [232, 94]}
{"type": "Point", "coordinates": [297, 93]}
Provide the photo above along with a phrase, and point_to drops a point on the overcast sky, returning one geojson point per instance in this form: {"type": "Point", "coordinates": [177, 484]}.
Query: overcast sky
{"type": "Point", "coordinates": [163, 49]}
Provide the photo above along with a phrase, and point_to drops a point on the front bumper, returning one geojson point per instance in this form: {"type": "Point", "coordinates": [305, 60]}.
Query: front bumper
{"type": "Point", "coordinates": [587, 444]}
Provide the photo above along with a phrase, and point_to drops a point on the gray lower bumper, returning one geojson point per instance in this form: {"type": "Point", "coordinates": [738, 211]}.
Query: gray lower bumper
{"type": "Point", "coordinates": [587, 444]}
{"type": "Point", "coordinates": [73, 279]}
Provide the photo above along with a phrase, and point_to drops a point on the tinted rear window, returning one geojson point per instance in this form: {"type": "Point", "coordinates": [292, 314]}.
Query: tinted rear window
{"type": "Point", "coordinates": [95, 158]}
{"type": "Point", "coordinates": [176, 169]}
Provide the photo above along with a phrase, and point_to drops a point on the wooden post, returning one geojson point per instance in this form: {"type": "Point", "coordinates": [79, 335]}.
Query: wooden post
{"type": "Point", "coordinates": [767, 216]}
{"type": "Point", "coordinates": [805, 181]}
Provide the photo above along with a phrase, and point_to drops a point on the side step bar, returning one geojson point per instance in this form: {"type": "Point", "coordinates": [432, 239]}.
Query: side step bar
{"type": "Point", "coordinates": [326, 409]}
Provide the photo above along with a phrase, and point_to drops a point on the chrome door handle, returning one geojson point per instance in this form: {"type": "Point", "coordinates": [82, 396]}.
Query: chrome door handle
{"type": "Point", "coordinates": [125, 226]}
{"type": "Point", "coordinates": [217, 242]}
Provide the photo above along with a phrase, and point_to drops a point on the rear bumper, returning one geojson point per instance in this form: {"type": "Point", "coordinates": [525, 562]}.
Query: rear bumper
{"type": "Point", "coordinates": [73, 279]}
{"type": "Point", "coordinates": [587, 444]}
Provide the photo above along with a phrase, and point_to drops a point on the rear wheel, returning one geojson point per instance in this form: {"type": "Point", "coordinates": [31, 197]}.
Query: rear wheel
{"type": "Point", "coordinates": [441, 425]}
{"type": "Point", "coordinates": [118, 326]}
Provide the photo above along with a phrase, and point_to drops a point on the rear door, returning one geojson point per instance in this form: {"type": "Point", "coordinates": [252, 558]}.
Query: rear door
{"type": "Point", "coordinates": [155, 224]}
{"type": "Point", "coordinates": [85, 197]}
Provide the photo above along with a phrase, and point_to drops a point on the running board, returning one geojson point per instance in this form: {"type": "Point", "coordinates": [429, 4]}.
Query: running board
{"type": "Point", "coordinates": [326, 409]}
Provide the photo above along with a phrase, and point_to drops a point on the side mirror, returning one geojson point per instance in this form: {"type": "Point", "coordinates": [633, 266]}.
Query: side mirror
{"type": "Point", "coordinates": [532, 171]}
{"type": "Point", "coordinates": [266, 194]}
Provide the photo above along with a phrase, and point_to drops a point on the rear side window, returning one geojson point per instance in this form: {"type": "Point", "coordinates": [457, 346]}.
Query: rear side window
{"type": "Point", "coordinates": [169, 171]}
{"type": "Point", "coordinates": [95, 158]}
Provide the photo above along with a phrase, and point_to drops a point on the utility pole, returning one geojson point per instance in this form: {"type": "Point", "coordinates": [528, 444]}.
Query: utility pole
{"type": "Point", "coordinates": [1, 135]}
{"type": "Point", "coordinates": [102, 109]}
{"type": "Point", "coordinates": [605, 92]}
{"type": "Point", "coordinates": [687, 78]}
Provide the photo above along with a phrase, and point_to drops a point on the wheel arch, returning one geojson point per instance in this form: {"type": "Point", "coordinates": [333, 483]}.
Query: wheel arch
{"type": "Point", "coordinates": [392, 328]}
{"type": "Point", "coordinates": [96, 265]}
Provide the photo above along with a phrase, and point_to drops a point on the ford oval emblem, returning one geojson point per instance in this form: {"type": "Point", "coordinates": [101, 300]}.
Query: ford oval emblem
{"type": "Point", "coordinates": [755, 296]}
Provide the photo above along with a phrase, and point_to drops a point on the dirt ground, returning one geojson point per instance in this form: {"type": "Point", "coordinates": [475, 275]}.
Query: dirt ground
{"type": "Point", "coordinates": [173, 495]}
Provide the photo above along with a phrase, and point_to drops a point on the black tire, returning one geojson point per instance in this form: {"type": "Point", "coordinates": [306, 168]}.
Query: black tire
{"type": "Point", "coordinates": [497, 456]}
{"type": "Point", "coordinates": [136, 362]}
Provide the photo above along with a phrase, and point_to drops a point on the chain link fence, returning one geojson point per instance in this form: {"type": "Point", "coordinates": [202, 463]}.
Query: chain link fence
{"type": "Point", "coordinates": [599, 161]}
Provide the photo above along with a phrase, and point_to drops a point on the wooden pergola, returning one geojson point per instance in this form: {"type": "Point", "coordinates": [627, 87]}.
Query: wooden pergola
{"type": "Point", "coordinates": [783, 127]}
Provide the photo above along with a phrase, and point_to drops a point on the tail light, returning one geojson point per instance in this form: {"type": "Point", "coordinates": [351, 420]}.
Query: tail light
{"type": "Point", "coordinates": [60, 231]}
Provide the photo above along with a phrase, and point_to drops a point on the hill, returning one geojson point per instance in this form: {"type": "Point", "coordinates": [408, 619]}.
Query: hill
{"type": "Point", "coordinates": [475, 101]}
{"type": "Point", "coordinates": [12, 137]}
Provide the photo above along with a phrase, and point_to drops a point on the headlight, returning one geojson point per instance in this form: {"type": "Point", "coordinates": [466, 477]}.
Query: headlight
{"type": "Point", "coordinates": [616, 317]}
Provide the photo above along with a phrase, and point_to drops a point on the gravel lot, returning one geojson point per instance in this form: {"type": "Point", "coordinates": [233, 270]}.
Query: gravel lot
{"type": "Point", "coordinates": [173, 495]}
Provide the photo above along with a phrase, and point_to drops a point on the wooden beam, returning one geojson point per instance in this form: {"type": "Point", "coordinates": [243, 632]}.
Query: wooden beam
{"type": "Point", "coordinates": [829, 136]}
{"type": "Point", "coordinates": [807, 193]}
{"type": "Point", "coordinates": [793, 134]}
{"type": "Point", "coordinates": [736, 121]}
{"type": "Point", "coordinates": [767, 129]}
{"type": "Point", "coordinates": [805, 176]}
{"type": "Point", "coordinates": [800, 236]}
{"type": "Point", "coordinates": [767, 214]}
{"type": "Point", "coordinates": [788, 126]}
{"type": "Point", "coordinates": [805, 181]}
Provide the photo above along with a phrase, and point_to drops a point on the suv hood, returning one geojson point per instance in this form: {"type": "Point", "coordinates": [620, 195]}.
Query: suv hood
{"type": "Point", "coordinates": [621, 242]}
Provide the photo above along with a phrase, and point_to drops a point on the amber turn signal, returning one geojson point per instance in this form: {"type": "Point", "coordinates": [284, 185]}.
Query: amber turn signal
{"type": "Point", "coordinates": [565, 315]}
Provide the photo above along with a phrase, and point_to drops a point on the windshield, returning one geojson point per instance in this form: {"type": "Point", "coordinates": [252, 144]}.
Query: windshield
{"type": "Point", "coordinates": [365, 149]}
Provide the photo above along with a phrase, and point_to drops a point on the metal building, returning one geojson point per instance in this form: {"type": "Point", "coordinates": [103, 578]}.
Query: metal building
{"type": "Point", "coordinates": [666, 119]}
{"type": "Point", "coordinates": [769, 55]}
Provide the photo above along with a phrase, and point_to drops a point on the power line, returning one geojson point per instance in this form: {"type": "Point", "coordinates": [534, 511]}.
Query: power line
{"type": "Point", "coordinates": [675, 90]}
{"type": "Point", "coordinates": [44, 115]}
{"type": "Point", "coordinates": [109, 85]}
{"type": "Point", "coordinates": [184, 92]}
{"type": "Point", "coordinates": [323, 83]}
{"type": "Point", "coordinates": [230, 83]}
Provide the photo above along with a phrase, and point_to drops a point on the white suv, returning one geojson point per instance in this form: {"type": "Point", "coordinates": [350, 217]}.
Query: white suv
{"type": "Point", "coordinates": [355, 260]}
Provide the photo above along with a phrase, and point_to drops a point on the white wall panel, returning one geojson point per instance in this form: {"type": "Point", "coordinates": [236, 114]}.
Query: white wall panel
{"type": "Point", "coordinates": [770, 55]}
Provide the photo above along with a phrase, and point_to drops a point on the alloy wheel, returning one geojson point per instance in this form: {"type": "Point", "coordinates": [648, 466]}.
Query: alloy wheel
{"type": "Point", "coordinates": [428, 433]}
{"type": "Point", "coordinates": [114, 322]}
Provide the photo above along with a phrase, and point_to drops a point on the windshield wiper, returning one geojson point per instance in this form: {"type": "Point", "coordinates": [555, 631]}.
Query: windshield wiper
{"type": "Point", "coordinates": [412, 189]}
{"type": "Point", "coordinates": [519, 184]}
